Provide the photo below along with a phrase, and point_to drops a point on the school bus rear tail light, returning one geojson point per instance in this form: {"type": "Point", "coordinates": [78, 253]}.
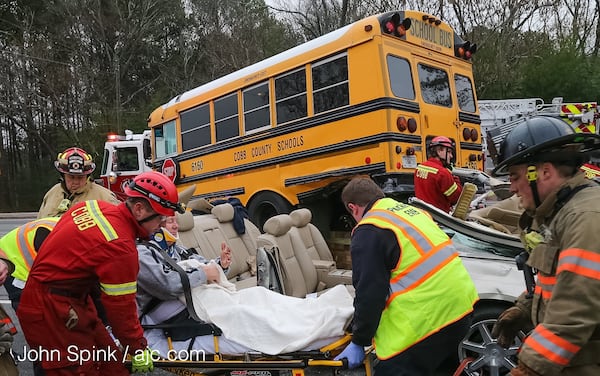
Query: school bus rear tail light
{"type": "Point", "coordinates": [472, 157]}
{"type": "Point", "coordinates": [412, 125]}
{"type": "Point", "coordinates": [474, 135]}
{"type": "Point", "coordinates": [395, 26]}
{"type": "Point", "coordinates": [401, 123]}
{"type": "Point", "coordinates": [466, 134]}
{"type": "Point", "coordinates": [464, 49]}
{"type": "Point", "coordinates": [410, 151]}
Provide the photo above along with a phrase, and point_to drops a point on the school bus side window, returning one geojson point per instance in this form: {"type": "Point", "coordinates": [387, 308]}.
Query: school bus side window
{"type": "Point", "coordinates": [256, 107]}
{"type": "Point", "coordinates": [165, 141]}
{"type": "Point", "coordinates": [226, 117]}
{"type": "Point", "coordinates": [195, 127]}
{"type": "Point", "coordinates": [400, 77]}
{"type": "Point", "coordinates": [464, 93]}
{"type": "Point", "coordinates": [435, 86]}
{"type": "Point", "coordinates": [330, 83]}
{"type": "Point", "coordinates": [290, 96]}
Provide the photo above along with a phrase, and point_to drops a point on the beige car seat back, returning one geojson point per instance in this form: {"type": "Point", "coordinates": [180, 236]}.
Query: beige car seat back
{"type": "Point", "coordinates": [299, 273]}
{"type": "Point", "coordinates": [310, 235]}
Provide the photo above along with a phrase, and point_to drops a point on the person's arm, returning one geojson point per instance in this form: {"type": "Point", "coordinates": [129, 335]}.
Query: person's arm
{"type": "Point", "coordinates": [374, 253]}
{"type": "Point", "coordinates": [158, 278]}
{"type": "Point", "coordinates": [49, 205]}
{"type": "Point", "coordinates": [571, 315]}
{"type": "Point", "coordinates": [449, 187]}
{"type": "Point", "coordinates": [117, 277]}
{"type": "Point", "coordinates": [6, 266]}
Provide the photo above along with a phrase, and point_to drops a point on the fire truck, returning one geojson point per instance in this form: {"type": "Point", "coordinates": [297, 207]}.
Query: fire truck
{"type": "Point", "coordinates": [125, 156]}
{"type": "Point", "coordinates": [498, 117]}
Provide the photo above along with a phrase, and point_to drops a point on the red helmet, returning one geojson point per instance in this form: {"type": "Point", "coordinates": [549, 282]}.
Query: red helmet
{"type": "Point", "coordinates": [74, 161]}
{"type": "Point", "coordinates": [441, 141]}
{"type": "Point", "coordinates": [158, 189]}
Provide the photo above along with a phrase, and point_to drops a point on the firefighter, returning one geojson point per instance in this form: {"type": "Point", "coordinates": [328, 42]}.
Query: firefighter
{"type": "Point", "coordinates": [76, 185]}
{"type": "Point", "coordinates": [434, 182]}
{"type": "Point", "coordinates": [93, 247]}
{"type": "Point", "coordinates": [542, 156]}
{"type": "Point", "coordinates": [413, 294]}
{"type": "Point", "coordinates": [18, 249]}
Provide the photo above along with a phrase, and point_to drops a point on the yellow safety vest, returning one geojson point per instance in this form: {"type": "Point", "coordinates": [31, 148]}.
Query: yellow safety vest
{"type": "Point", "coordinates": [429, 287]}
{"type": "Point", "coordinates": [19, 248]}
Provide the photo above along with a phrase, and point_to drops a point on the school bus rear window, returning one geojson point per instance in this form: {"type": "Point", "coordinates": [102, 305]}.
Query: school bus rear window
{"type": "Point", "coordinates": [400, 77]}
{"type": "Point", "coordinates": [435, 87]}
{"type": "Point", "coordinates": [464, 93]}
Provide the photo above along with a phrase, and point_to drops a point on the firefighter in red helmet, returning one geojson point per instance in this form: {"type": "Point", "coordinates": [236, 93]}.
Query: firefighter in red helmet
{"type": "Point", "coordinates": [93, 248]}
{"type": "Point", "coordinates": [434, 182]}
{"type": "Point", "coordinates": [75, 167]}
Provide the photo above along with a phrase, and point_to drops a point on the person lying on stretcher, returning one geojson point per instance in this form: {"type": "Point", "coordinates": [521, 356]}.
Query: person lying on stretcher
{"type": "Point", "coordinates": [253, 319]}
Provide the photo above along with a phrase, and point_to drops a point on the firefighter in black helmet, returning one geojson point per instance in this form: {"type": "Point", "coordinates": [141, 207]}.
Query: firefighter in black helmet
{"type": "Point", "coordinates": [542, 156]}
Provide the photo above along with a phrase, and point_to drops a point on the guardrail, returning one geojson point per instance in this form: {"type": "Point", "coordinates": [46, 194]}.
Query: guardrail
{"type": "Point", "coordinates": [24, 215]}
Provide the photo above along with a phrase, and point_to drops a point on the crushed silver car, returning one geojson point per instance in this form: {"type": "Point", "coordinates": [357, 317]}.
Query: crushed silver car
{"type": "Point", "coordinates": [489, 256]}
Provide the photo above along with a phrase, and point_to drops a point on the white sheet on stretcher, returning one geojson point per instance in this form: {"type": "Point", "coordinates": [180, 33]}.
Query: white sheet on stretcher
{"type": "Point", "coordinates": [269, 322]}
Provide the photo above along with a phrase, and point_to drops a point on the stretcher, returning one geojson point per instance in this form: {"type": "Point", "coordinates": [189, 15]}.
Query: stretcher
{"type": "Point", "coordinates": [249, 363]}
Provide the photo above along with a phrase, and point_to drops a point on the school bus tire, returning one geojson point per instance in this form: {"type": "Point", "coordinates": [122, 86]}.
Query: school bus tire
{"type": "Point", "coordinates": [265, 205]}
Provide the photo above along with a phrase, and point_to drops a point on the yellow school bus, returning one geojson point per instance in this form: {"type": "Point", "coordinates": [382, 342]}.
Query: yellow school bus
{"type": "Point", "coordinates": [291, 129]}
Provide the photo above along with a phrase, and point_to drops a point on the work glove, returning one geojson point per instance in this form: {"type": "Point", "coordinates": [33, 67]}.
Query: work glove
{"type": "Point", "coordinates": [523, 370]}
{"type": "Point", "coordinates": [142, 361]}
{"type": "Point", "coordinates": [6, 339]}
{"type": "Point", "coordinates": [531, 240]}
{"type": "Point", "coordinates": [354, 353]}
{"type": "Point", "coordinates": [508, 325]}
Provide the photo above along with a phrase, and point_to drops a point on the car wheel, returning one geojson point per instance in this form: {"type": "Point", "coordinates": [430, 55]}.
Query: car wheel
{"type": "Point", "coordinates": [484, 356]}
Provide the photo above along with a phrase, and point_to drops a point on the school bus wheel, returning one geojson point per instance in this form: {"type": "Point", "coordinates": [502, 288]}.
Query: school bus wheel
{"type": "Point", "coordinates": [265, 205]}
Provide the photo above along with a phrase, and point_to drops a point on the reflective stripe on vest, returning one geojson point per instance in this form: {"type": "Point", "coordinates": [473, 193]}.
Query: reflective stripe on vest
{"type": "Point", "coordinates": [430, 287]}
{"type": "Point", "coordinates": [24, 242]}
{"type": "Point", "coordinates": [103, 224]}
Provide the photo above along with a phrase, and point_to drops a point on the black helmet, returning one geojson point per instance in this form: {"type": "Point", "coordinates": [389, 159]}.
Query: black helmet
{"type": "Point", "coordinates": [544, 139]}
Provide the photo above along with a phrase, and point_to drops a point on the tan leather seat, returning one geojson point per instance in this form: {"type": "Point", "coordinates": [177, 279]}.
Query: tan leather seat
{"type": "Point", "coordinates": [300, 276]}
{"type": "Point", "coordinates": [207, 232]}
{"type": "Point", "coordinates": [311, 236]}
{"type": "Point", "coordinates": [503, 216]}
{"type": "Point", "coordinates": [318, 250]}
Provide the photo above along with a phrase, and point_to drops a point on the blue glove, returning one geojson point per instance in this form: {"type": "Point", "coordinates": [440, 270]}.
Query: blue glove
{"type": "Point", "coordinates": [354, 353]}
